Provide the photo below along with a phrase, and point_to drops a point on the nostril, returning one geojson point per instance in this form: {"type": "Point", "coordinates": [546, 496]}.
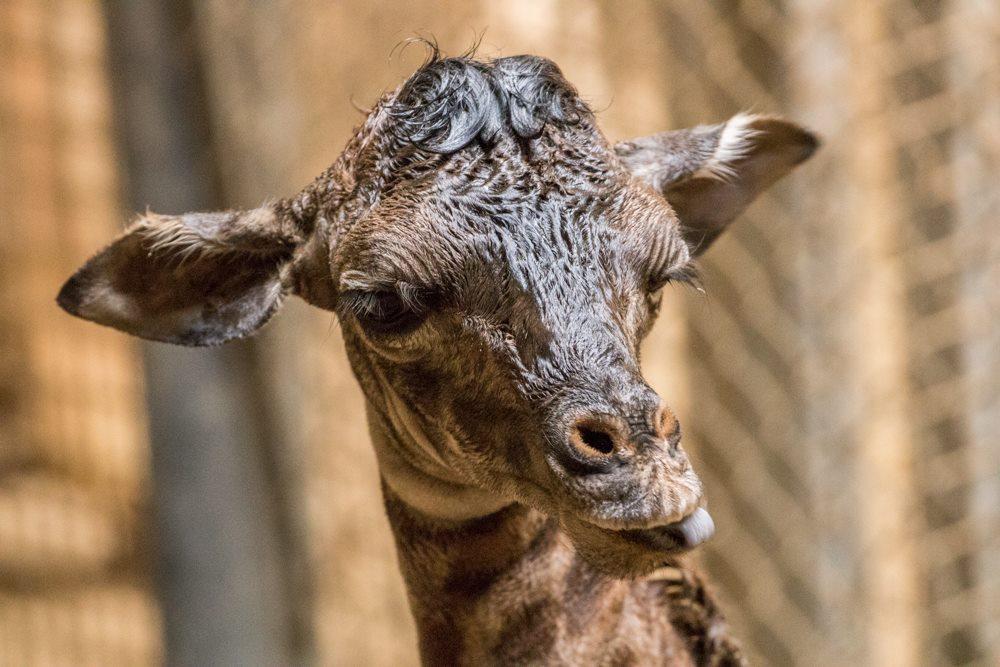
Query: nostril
{"type": "Point", "coordinates": [598, 440]}
{"type": "Point", "coordinates": [595, 436]}
{"type": "Point", "coordinates": [674, 436]}
{"type": "Point", "coordinates": [667, 426]}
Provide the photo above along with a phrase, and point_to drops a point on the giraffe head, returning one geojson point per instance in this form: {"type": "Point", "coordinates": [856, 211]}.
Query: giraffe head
{"type": "Point", "coordinates": [495, 264]}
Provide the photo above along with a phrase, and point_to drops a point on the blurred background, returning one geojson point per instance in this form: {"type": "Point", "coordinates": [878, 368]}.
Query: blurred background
{"type": "Point", "coordinates": [839, 384]}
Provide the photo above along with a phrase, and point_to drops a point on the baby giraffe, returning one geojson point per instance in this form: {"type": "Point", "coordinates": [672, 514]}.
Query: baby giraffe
{"type": "Point", "coordinates": [495, 264]}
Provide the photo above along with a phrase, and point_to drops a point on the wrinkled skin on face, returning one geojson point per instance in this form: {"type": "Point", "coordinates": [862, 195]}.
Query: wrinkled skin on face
{"type": "Point", "coordinates": [532, 273]}
{"type": "Point", "coordinates": [495, 264]}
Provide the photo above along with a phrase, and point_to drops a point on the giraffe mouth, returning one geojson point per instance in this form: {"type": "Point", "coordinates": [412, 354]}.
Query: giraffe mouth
{"type": "Point", "coordinates": [691, 531]}
{"type": "Point", "coordinates": [634, 552]}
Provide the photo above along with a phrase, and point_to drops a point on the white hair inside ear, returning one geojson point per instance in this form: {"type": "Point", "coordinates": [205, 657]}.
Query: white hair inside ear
{"type": "Point", "coordinates": [735, 144]}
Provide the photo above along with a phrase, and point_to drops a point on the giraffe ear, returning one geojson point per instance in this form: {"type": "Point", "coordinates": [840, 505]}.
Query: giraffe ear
{"type": "Point", "coordinates": [192, 279]}
{"type": "Point", "coordinates": [709, 174]}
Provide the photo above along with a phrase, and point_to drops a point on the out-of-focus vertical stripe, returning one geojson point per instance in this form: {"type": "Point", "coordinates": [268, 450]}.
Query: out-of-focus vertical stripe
{"type": "Point", "coordinates": [74, 568]}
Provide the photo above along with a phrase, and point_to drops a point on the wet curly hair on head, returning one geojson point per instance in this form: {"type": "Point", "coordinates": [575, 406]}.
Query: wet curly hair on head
{"type": "Point", "coordinates": [450, 102]}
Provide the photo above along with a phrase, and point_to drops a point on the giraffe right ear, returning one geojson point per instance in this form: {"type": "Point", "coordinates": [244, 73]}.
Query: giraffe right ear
{"type": "Point", "coordinates": [199, 278]}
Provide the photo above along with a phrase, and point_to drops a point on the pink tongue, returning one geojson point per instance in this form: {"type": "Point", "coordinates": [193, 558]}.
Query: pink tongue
{"type": "Point", "coordinates": [696, 528]}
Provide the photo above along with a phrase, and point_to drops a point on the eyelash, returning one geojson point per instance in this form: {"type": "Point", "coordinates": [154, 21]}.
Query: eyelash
{"type": "Point", "coordinates": [688, 274]}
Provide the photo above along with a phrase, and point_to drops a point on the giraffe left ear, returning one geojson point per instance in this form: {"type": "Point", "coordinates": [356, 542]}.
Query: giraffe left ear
{"type": "Point", "coordinates": [709, 174]}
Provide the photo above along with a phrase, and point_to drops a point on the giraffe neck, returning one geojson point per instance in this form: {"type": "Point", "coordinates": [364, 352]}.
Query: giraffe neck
{"type": "Point", "coordinates": [506, 585]}
{"type": "Point", "coordinates": [495, 582]}
{"type": "Point", "coordinates": [484, 575]}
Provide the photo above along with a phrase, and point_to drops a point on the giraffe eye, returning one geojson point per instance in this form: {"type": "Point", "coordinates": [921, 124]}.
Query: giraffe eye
{"type": "Point", "coordinates": [383, 312]}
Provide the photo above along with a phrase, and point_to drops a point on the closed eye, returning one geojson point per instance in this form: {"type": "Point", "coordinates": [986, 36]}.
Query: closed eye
{"type": "Point", "coordinates": [384, 311]}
